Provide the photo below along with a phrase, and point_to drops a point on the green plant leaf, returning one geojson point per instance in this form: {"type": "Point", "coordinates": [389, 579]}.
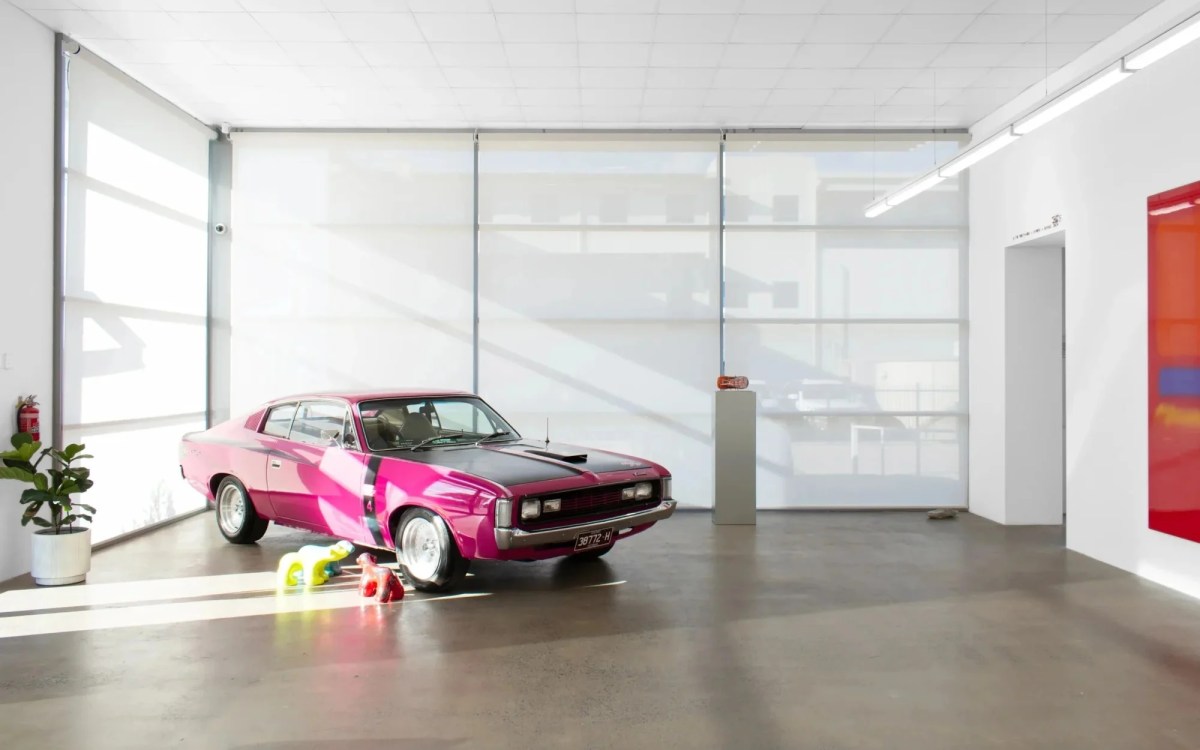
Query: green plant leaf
{"type": "Point", "coordinates": [84, 516]}
{"type": "Point", "coordinates": [88, 508]}
{"type": "Point", "coordinates": [21, 475]}
{"type": "Point", "coordinates": [40, 481]}
{"type": "Point", "coordinates": [34, 495]}
{"type": "Point", "coordinates": [37, 521]}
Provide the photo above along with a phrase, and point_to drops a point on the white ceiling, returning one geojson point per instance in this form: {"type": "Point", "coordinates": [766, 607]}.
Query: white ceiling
{"type": "Point", "coordinates": [588, 63]}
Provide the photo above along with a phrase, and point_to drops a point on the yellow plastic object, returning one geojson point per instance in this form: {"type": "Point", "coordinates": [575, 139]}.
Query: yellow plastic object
{"type": "Point", "coordinates": [310, 564]}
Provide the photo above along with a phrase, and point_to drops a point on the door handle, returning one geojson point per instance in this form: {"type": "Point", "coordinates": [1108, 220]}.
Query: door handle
{"type": "Point", "coordinates": [275, 464]}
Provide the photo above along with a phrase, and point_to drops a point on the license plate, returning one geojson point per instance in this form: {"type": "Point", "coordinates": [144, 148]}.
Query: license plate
{"type": "Point", "coordinates": [593, 539]}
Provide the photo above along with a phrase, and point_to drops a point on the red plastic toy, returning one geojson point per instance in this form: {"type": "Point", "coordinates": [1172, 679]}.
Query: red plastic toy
{"type": "Point", "coordinates": [378, 582]}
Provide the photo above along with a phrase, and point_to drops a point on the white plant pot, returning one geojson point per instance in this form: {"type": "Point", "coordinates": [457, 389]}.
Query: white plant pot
{"type": "Point", "coordinates": [59, 559]}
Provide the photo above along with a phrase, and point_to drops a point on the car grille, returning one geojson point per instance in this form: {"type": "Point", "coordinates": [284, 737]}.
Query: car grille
{"type": "Point", "coordinates": [585, 504]}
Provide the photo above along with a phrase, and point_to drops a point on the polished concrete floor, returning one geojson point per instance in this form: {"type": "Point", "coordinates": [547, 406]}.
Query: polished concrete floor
{"type": "Point", "coordinates": [815, 630]}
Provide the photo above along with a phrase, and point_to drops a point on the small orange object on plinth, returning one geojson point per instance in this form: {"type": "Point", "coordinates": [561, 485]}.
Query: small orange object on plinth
{"type": "Point", "coordinates": [732, 382]}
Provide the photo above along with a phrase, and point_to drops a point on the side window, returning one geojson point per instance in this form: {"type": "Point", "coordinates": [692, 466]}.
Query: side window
{"type": "Point", "coordinates": [319, 423]}
{"type": "Point", "coordinates": [279, 421]}
{"type": "Point", "coordinates": [349, 434]}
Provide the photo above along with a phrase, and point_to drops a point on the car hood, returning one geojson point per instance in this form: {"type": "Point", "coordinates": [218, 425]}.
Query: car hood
{"type": "Point", "coordinates": [523, 462]}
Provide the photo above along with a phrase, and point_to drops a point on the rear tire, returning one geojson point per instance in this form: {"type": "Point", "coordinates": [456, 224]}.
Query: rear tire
{"type": "Point", "coordinates": [427, 552]}
{"type": "Point", "coordinates": [237, 520]}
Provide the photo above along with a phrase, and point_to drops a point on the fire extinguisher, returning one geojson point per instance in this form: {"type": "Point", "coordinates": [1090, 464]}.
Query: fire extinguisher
{"type": "Point", "coordinates": [28, 417]}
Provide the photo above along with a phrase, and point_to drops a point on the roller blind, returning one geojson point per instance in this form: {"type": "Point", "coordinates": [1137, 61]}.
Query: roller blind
{"type": "Point", "coordinates": [135, 293]}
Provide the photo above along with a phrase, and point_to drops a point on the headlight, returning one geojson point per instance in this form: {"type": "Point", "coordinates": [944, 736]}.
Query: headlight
{"type": "Point", "coordinates": [531, 509]}
{"type": "Point", "coordinates": [627, 493]}
{"type": "Point", "coordinates": [643, 490]}
{"type": "Point", "coordinates": [552, 506]}
{"type": "Point", "coordinates": [666, 487]}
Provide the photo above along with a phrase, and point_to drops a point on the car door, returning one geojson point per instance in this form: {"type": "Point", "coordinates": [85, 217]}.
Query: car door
{"type": "Point", "coordinates": [315, 477]}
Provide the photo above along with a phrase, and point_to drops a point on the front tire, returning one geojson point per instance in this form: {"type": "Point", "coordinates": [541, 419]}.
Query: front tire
{"type": "Point", "coordinates": [427, 552]}
{"type": "Point", "coordinates": [236, 518]}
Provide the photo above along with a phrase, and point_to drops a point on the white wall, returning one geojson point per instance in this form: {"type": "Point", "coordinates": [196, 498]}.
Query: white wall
{"type": "Point", "coordinates": [1095, 167]}
{"type": "Point", "coordinates": [26, 252]}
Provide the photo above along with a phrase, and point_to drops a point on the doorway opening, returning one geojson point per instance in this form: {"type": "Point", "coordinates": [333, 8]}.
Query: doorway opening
{"type": "Point", "coordinates": [1035, 381]}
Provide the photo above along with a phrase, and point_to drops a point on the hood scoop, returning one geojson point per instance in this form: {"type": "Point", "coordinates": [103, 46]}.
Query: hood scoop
{"type": "Point", "coordinates": [571, 458]}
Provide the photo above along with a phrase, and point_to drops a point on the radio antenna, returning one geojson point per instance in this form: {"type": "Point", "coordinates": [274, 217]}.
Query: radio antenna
{"type": "Point", "coordinates": [547, 430]}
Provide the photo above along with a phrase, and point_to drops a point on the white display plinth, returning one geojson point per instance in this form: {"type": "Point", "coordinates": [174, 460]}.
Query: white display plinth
{"type": "Point", "coordinates": [734, 464]}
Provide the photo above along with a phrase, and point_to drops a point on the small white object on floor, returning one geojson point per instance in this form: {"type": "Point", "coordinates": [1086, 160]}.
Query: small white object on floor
{"type": "Point", "coordinates": [942, 513]}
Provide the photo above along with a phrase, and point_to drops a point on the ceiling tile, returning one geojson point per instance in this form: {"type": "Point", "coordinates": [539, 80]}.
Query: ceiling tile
{"type": "Point", "coordinates": [555, 98]}
{"type": "Point", "coordinates": [947, 78]}
{"type": "Point", "coordinates": [674, 97]}
{"type": "Point", "coordinates": [902, 55]}
{"type": "Point", "coordinates": [1009, 78]}
{"type": "Point", "coordinates": [782, 28]}
{"type": "Point", "coordinates": [456, 27]}
{"type": "Point", "coordinates": [143, 25]}
{"type": "Point", "coordinates": [365, 6]}
{"type": "Point", "coordinates": [1036, 7]}
{"type": "Point", "coordinates": [615, 27]}
{"type": "Point", "coordinates": [481, 115]}
{"type": "Point", "coordinates": [866, 6]}
{"type": "Point", "coordinates": [105, 5]}
{"type": "Point", "coordinates": [863, 97]}
{"type": "Point", "coordinates": [613, 78]}
{"type": "Point", "coordinates": [921, 97]}
{"type": "Point", "coordinates": [680, 78]}
{"type": "Point", "coordinates": [611, 97]}
{"type": "Point", "coordinates": [947, 6]}
{"type": "Point", "coordinates": [1003, 29]}
{"type": "Point", "coordinates": [172, 52]}
{"type": "Point", "coordinates": [614, 116]}
{"type": "Point", "coordinates": [699, 6]}
{"type": "Point", "coordinates": [793, 116]}
{"type": "Point", "coordinates": [379, 27]}
{"type": "Point", "coordinates": [694, 28]}
{"type": "Point", "coordinates": [830, 55]}
{"type": "Point", "coordinates": [323, 53]}
{"type": "Point", "coordinates": [477, 78]}
{"type": "Point", "coordinates": [456, 55]}
{"type": "Point", "coordinates": [839, 29]}
{"type": "Point", "coordinates": [301, 27]}
{"type": "Point", "coordinates": [799, 97]}
{"type": "Point", "coordinates": [77, 23]}
{"type": "Point", "coordinates": [283, 6]}
{"type": "Point", "coordinates": [686, 55]}
{"type": "Point", "coordinates": [536, 27]}
{"type": "Point", "coordinates": [489, 98]}
{"type": "Point", "coordinates": [542, 55]}
{"type": "Point", "coordinates": [668, 114]}
{"type": "Point", "coordinates": [614, 55]}
{"type": "Point", "coordinates": [975, 55]}
{"type": "Point", "coordinates": [758, 55]}
{"type": "Point", "coordinates": [222, 27]}
{"type": "Point", "coordinates": [534, 6]}
{"type": "Point", "coordinates": [1083, 28]}
{"type": "Point", "coordinates": [1036, 54]}
{"type": "Point", "coordinates": [889, 78]}
{"type": "Point", "coordinates": [409, 78]}
{"type": "Point", "coordinates": [397, 53]}
{"type": "Point", "coordinates": [610, 6]}
{"type": "Point", "coordinates": [553, 116]}
{"type": "Point", "coordinates": [1104, 7]}
{"type": "Point", "coordinates": [736, 97]}
{"type": "Point", "coordinates": [748, 78]}
{"type": "Point", "coordinates": [782, 6]}
{"type": "Point", "coordinates": [250, 53]}
{"type": "Point", "coordinates": [449, 6]}
{"type": "Point", "coordinates": [851, 116]}
{"type": "Point", "coordinates": [727, 116]}
{"type": "Point", "coordinates": [546, 78]}
{"type": "Point", "coordinates": [210, 6]}
{"type": "Point", "coordinates": [829, 78]}
{"type": "Point", "coordinates": [906, 115]}
{"type": "Point", "coordinates": [349, 77]}
{"type": "Point", "coordinates": [927, 29]}
{"type": "Point", "coordinates": [271, 75]}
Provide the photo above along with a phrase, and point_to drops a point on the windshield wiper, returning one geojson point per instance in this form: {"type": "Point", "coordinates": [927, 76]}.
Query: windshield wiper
{"type": "Point", "coordinates": [493, 436]}
{"type": "Point", "coordinates": [429, 440]}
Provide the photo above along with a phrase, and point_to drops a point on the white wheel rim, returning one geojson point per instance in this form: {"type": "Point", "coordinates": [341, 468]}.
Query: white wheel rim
{"type": "Point", "coordinates": [231, 509]}
{"type": "Point", "coordinates": [421, 548]}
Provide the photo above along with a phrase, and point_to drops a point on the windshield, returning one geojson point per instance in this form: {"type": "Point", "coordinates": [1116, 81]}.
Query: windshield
{"type": "Point", "coordinates": [409, 423]}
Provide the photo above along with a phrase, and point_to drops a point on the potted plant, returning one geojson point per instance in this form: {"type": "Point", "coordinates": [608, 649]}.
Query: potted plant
{"type": "Point", "coordinates": [62, 550]}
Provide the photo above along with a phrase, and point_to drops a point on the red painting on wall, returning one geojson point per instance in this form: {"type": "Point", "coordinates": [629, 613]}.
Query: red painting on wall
{"type": "Point", "coordinates": [1174, 279]}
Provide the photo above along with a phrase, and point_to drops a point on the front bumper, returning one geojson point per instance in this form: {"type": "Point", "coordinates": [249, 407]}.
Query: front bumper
{"type": "Point", "coordinates": [519, 538]}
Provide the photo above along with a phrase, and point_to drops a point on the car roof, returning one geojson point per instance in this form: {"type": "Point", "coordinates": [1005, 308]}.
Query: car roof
{"type": "Point", "coordinates": [355, 397]}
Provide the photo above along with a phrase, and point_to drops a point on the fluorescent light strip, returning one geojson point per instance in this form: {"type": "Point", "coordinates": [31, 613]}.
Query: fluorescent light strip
{"type": "Point", "coordinates": [914, 189]}
{"type": "Point", "coordinates": [1065, 104]}
{"type": "Point", "coordinates": [972, 156]}
{"type": "Point", "coordinates": [1173, 40]}
{"type": "Point", "coordinates": [1181, 36]}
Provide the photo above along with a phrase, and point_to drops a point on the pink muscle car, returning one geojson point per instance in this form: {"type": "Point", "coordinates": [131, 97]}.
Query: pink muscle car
{"type": "Point", "coordinates": [439, 477]}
